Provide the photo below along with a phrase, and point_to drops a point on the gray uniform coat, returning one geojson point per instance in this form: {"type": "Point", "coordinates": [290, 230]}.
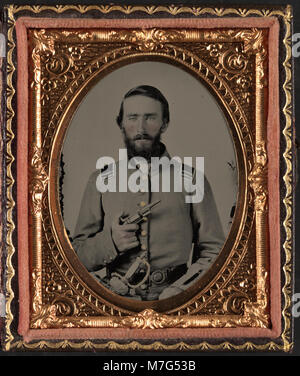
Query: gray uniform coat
{"type": "Point", "coordinates": [167, 235]}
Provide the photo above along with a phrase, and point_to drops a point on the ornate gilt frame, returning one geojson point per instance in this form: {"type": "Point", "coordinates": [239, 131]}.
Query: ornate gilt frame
{"type": "Point", "coordinates": [234, 62]}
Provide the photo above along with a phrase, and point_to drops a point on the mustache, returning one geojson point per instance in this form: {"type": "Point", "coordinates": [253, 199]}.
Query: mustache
{"type": "Point", "coordinates": [143, 136]}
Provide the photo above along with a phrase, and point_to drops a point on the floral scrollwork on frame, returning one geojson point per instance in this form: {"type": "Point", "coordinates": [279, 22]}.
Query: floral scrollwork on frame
{"type": "Point", "coordinates": [149, 319]}
{"type": "Point", "coordinates": [233, 300]}
{"type": "Point", "coordinates": [56, 313]}
{"type": "Point", "coordinates": [234, 66]}
{"type": "Point", "coordinates": [252, 38]}
{"type": "Point", "coordinates": [258, 177]}
{"type": "Point", "coordinates": [58, 64]}
{"type": "Point", "coordinates": [237, 302]}
{"type": "Point", "coordinates": [39, 180]}
{"type": "Point", "coordinates": [233, 61]}
{"type": "Point", "coordinates": [255, 313]}
{"type": "Point", "coordinates": [148, 40]}
{"type": "Point", "coordinates": [44, 45]}
{"type": "Point", "coordinates": [51, 64]}
{"type": "Point", "coordinates": [252, 42]}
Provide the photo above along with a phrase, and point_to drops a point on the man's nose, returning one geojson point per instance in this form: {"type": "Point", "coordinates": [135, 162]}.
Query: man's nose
{"type": "Point", "coordinates": [142, 123]}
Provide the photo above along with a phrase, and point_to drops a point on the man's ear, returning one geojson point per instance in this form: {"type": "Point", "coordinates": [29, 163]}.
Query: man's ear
{"type": "Point", "coordinates": [164, 127]}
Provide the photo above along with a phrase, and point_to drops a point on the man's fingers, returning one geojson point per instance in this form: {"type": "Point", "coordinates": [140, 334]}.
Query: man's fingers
{"type": "Point", "coordinates": [129, 238]}
{"type": "Point", "coordinates": [128, 245]}
{"type": "Point", "coordinates": [125, 227]}
{"type": "Point", "coordinates": [130, 227]}
{"type": "Point", "coordinates": [132, 245]}
{"type": "Point", "coordinates": [116, 219]}
{"type": "Point", "coordinates": [123, 235]}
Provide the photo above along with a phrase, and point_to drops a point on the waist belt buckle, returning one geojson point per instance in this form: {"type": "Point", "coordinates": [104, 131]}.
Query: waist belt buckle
{"type": "Point", "coordinates": [158, 277]}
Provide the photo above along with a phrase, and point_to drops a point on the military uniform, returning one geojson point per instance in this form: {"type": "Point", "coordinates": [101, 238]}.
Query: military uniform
{"type": "Point", "coordinates": [166, 236]}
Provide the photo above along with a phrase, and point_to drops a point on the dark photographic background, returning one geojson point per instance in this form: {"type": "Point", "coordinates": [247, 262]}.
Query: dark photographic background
{"type": "Point", "coordinates": [296, 12]}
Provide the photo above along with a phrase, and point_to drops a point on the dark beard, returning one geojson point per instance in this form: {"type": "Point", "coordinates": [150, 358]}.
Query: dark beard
{"type": "Point", "coordinates": [156, 149]}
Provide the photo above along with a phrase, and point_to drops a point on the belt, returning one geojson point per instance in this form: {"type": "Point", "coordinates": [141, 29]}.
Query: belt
{"type": "Point", "coordinates": [160, 276]}
{"type": "Point", "coordinates": [157, 279]}
{"type": "Point", "coordinates": [167, 275]}
{"type": "Point", "coordinates": [152, 288]}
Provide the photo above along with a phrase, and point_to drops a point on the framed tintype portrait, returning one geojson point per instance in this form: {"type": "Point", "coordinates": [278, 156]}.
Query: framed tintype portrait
{"type": "Point", "coordinates": [152, 194]}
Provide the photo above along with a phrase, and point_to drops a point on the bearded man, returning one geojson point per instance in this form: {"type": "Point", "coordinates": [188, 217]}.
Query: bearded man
{"type": "Point", "coordinates": [169, 249]}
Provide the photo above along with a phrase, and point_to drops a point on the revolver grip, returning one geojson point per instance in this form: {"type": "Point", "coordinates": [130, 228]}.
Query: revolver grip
{"type": "Point", "coordinates": [129, 220]}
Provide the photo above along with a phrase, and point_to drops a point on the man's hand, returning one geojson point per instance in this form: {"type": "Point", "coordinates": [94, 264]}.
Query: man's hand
{"type": "Point", "coordinates": [124, 236]}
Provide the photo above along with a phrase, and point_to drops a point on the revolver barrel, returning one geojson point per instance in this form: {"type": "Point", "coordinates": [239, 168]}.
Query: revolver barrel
{"type": "Point", "coordinates": [137, 218]}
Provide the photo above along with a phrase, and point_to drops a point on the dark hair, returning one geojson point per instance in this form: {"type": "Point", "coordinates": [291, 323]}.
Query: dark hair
{"type": "Point", "coordinates": [146, 91]}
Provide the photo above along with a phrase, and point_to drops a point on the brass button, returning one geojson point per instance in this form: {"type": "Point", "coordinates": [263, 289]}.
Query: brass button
{"type": "Point", "coordinates": [144, 233]}
{"type": "Point", "coordinates": [143, 203]}
{"type": "Point", "coordinates": [143, 247]}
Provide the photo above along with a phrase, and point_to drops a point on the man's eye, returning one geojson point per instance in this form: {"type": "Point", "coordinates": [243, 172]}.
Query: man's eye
{"type": "Point", "coordinates": [150, 117]}
{"type": "Point", "coordinates": [132, 117]}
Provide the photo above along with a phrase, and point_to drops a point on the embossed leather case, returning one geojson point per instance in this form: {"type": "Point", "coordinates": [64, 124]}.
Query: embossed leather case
{"type": "Point", "coordinates": [55, 55]}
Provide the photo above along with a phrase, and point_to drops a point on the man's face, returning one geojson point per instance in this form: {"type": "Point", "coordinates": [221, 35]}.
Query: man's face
{"type": "Point", "coordinates": [142, 123]}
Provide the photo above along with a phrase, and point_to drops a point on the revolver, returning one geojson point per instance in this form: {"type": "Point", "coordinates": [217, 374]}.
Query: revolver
{"type": "Point", "coordinates": [121, 283]}
{"type": "Point", "coordinates": [140, 215]}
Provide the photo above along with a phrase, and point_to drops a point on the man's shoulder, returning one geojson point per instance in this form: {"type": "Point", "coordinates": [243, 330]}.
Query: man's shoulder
{"type": "Point", "coordinates": [106, 171]}
{"type": "Point", "coordinates": [188, 170]}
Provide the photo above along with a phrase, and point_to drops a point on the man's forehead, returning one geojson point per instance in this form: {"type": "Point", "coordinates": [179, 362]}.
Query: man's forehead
{"type": "Point", "coordinates": [141, 103]}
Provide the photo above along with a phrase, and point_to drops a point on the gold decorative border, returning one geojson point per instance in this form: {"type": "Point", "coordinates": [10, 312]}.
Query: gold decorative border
{"type": "Point", "coordinates": [145, 41]}
{"type": "Point", "coordinates": [286, 16]}
{"type": "Point", "coordinates": [288, 199]}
